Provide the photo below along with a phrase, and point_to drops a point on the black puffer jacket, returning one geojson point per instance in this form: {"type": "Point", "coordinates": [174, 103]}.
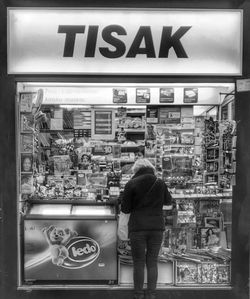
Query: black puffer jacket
{"type": "Point", "coordinates": [146, 209]}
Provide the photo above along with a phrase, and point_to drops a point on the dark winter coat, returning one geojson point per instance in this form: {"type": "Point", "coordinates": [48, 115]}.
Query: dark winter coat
{"type": "Point", "coordinates": [146, 209]}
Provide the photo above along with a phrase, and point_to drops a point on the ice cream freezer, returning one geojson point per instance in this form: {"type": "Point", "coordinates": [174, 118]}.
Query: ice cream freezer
{"type": "Point", "coordinates": [70, 243]}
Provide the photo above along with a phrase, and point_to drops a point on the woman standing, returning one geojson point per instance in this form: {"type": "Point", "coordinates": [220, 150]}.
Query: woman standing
{"type": "Point", "coordinates": [144, 197]}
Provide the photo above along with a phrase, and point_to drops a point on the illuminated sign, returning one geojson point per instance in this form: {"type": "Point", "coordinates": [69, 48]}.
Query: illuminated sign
{"type": "Point", "coordinates": [144, 33]}
{"type": "Point", "coordinates": [124, 41]}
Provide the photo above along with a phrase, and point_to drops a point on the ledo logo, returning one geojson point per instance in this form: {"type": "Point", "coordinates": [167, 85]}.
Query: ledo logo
{"type": "Point", "coordinates": [82, 251]}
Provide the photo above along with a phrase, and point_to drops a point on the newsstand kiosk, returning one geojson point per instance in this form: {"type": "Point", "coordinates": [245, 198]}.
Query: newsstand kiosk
{"type": "Point", "coordinates": [97, 88]}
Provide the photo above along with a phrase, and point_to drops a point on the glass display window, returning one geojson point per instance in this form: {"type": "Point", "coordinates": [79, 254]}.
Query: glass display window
{"type": "Point", "coordinates": [80, 153]}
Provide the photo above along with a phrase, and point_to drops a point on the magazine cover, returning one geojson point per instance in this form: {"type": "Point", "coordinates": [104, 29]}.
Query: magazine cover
{"type": "Point", "coordinates": [214, 222]}
{"type": "Point", "coordinates": [26, 101]}
{"type": "Point", "coordinates": [27, 122]}
{"type": "Point", "coordinates": [202, 273]}
{"type": "Point", "coordinates": [190, 95]}
{"type": "Point", "coordinates": [142, 95]}
{"type": "Point", "coordinates": [208, 273]}
{"type": "Point", "coordinates": [210, 237]}
{"type": "Point", "coordinates": [223, 274]}
{"type": "Point", "coordinates": [120, 95]}
{"type": "Point", "coordinates": [26, 163]}
{"type": "Point", "coordinates": [187, 273]}
{"type": "Point", "coordinates": [166, 95]}
{"type": "Point", "coordinates": [26, 143]}
{"type": "Point", "coordinates": [26, 184]}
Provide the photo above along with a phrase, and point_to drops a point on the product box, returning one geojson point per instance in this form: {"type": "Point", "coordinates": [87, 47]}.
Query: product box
{"type": "Point", "coordinates": [56, 186]}
{"type": "Point", "coordinates": [62, 164]}
{"type": "Point", "coordinates": [204, 273]}
{"type": "Point", "coordinates": [185, 212]}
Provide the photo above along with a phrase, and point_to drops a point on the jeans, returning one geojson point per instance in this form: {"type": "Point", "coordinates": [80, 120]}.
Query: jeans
{"type": "Point", "coordinates": [145, 247]}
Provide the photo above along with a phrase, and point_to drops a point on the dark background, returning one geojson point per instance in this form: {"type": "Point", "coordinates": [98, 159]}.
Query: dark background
{"type": "Point", "coordinates": [8, 182]}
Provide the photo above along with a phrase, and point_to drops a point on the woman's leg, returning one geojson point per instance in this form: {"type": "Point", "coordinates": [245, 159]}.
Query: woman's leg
{"type": "Point", "coordinates": [154, 241]}
{"type": "Point", "coordinates": [138, 247]}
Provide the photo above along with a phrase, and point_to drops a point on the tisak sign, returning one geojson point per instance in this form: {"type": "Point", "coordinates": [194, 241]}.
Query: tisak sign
{"type": "Point", "coordinates": [124, 41]}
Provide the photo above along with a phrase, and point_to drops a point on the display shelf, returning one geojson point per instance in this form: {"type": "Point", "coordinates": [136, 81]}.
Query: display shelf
{"type": "Point", "coordinates": [30, 132]}
{"type": "Point", "coordinates": [212, 147]}
{"type": "Point", "coordinates": [184, 170]}
{"type": "Point", "coordinates": [132, 131]}
{"type": "Point", "coordinates": [180, 128]}
{"type": "Point", "coordinates": [129, 146]}
{"type": "Point", "coordinates": [202, 196]}
{"type": "Point", "coordinates": [127, 161]}
{"type": "Point", "coordinates": [181, 145]}
{"type": "Point", "coordinates": [70, 201]}
{"type": "Point", "coordinates": [55, 131]}
{"type": "Point", "coordinates": [137, 112]}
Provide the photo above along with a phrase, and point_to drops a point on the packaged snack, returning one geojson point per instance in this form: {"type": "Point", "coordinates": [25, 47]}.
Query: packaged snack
{"type": "Point", "coordinates": [62, 165]}
{"type": "Point", "coordinates": [69, 182]}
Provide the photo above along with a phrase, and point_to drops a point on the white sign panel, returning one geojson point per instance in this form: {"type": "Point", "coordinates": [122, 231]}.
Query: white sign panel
{"type": "Point", "coordinates": [125, 41]}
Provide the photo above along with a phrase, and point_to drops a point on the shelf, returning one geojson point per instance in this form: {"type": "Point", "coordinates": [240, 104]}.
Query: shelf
{"type": "Point", "coordinates": [139, 113]}
{"type": "Point", "coordinates": [55, 131]}
{"type": "Point", "coordinates": [31, 132]}
{"type": "Point", "coordinates": [202, 196]}
{"type": "Point", "coordinates": [131, 146]}
{"type": "Point", "coordinates": [70, 201]}
{"type": "Point", "coordinates": [181, 145]}
{"type": "Point", "coordinates": [178, 128]}
{"type": "Point", "coordinates": [132, 131]}
{"type": "Point", "coordinates": [211, 147]}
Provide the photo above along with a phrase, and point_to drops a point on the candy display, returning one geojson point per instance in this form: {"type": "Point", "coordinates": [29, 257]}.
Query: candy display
{"type": "Point", "coordinates": [65, 158]}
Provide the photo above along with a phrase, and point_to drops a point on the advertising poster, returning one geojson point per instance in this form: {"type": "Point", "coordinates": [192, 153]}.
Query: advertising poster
{"type": "Point", "coordinates": [152, 114]}
{"type": "Point", "coordinates": [26, 101]}
{"type": "Point", "coordinates": [26, 163]}
{"type": "Point", "coordinates": [70, 249]}
{"type": "Point", "coordinates": [170, 115]}
{"type": "Point", "coordinates": [166, 95]}
{"type": "Point", "coordinates": [142, 95]}
{"type": "Point", "coordinates": [190, 95]}
{"type": "Point", "coordinates": [120, 95]}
